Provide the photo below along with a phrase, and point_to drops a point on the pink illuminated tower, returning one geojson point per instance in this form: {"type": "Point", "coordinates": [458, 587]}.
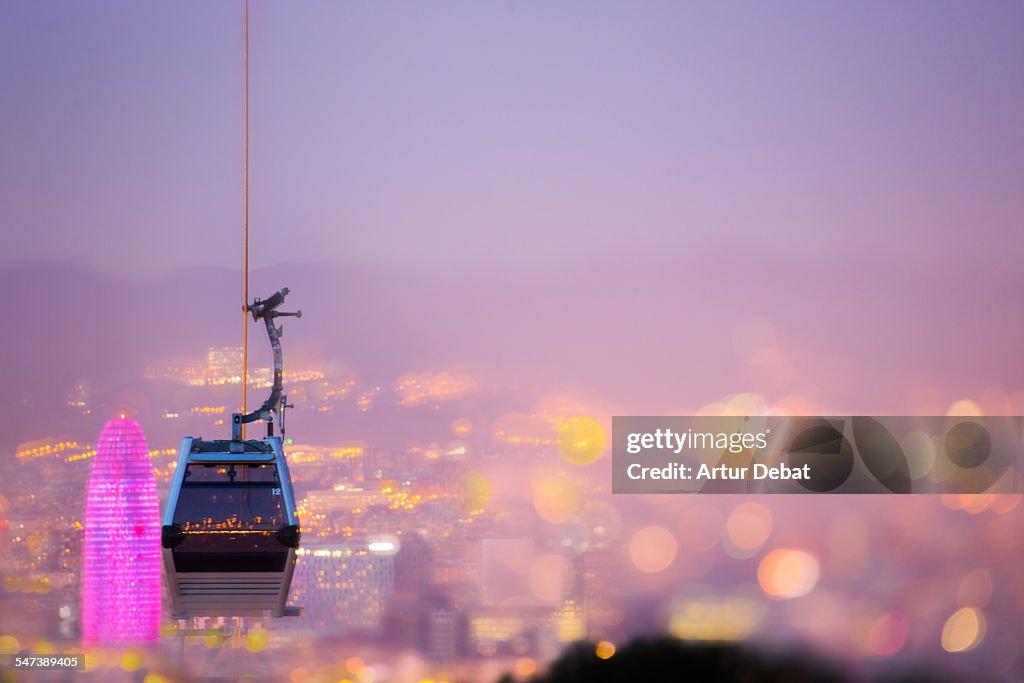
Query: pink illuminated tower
{"type": "Point", "coordinates": [121, 553]}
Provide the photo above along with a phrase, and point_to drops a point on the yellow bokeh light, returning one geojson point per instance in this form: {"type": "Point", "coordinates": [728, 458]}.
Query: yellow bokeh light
{"type": "Point", "coordinates": [213, 640]}
{"type": "Point", "coordinates": [9, 645]}
{"type": "Point", "coordinates": [154, 678]}
{"type": "Point", "coordinates": [964, 630]}
{"type": "Point", "coordinates": [581, 440]}
{"type": "Point", "coordinates": [256, 641]}
{"type": "Point", "coordinates": [605, 650]}
{"type": "Point", "coordinates": [785, 573]}
{"type": "Point", "coordinates": [131, 660]}
{"type": "Point", "coordinates": [476, 492]}
{"type": "Point", "coordinates": [652, 549]}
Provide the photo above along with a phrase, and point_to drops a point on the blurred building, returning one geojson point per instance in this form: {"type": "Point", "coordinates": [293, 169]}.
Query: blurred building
{"type": "Point", "coordinates": [420, 614]}
{"type": "Point", "coordinates": [224, 366]}
{"type": "Point", "coordinates": [342, 587]}
{"type": "Point", "coordinates": [414, 566]}
{"type": "Point", "coordinates": [121, 597]}
{"type": "Point", "coordinates": [224, 363]}
{"type": "Point", "coordinates": [508, 631]}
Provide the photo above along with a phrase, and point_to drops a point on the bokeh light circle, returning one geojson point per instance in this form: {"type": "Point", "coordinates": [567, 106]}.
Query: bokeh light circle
{"type": "Point", "coordinates": [964, 630]}
{"type": "Point", "coordinates": [652, 549]}
{"type": "Point", "coordinates": [557, 498]}
{"type": "Point", "coordinates": [888, 634]}
{"type": "Point", "coordinates": [785, 573]}
{"type": "Point", "coordinates": [747, 529]}
{"type": "Point", "coordinates": [581, 440]}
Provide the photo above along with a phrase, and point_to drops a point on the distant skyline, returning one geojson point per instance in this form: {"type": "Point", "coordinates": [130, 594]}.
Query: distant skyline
{"type": "Point", "coordinates": [523, 135]}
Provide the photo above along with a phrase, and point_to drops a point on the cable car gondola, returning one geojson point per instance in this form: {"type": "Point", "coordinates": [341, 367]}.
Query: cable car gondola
{"type": "Point", "coordinates": [230, 530]}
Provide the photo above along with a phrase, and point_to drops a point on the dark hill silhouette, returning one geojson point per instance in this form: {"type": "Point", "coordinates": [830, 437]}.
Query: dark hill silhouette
{"type": "Point", "coordinates": [668, 660]}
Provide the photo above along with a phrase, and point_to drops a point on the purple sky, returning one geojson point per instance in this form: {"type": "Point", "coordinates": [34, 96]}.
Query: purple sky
{"type": "Point", "coordinates": [528, 134]}
{"type": "Point", "coordinates": [601, 194]}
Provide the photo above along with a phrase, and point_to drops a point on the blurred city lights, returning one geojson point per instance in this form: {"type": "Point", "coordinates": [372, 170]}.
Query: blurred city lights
{"type": "Point", "coordinates": [549, 574]}
{"type": "Point", "coordinates": [714, 567]}
{"type": "Point", "coordinates": [476, 492]}
{"type": "Point", "coordinates": [581, 440]}
{"type": "Point", "coordinates": [525, 667]}
{"type": "Point", "coordinates": [963, 630]}
{"type": "Point", "coordinates": [785, 574]}
{"type": "Point", "coordinates": [557, 498]}
{"type": "Point", "coordinates": [131, 660]}
{"type": "Point", "coordinates": [747, 529]}
{"type": "Point", "coordinates": [712, 619]}
{"type": "Point", "coordinates": [888, 634]}
{"type": "Point", "coordinates": [383, 544]}
{"type": "Point", "coordinates": [9, 645]}
{"type": "Point", "coordinates": [256, 641]}
{"type": "Point", "coordinates": [964, 408]}
{"type": "Point", "coordinates": [605, 650]}
{"type": "Point", "coordinates": [652, 549]}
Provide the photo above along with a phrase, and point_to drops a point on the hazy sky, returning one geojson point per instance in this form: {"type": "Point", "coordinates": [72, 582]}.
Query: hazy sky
{"type": "Point", "coordinates": [525, 134]}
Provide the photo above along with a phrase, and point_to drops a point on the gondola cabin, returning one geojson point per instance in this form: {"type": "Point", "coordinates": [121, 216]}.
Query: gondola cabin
{"type": "Point", "coordinates": [230, 537]}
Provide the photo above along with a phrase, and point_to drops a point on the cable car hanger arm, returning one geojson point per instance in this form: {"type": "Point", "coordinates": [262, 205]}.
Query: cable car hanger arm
{"type": "Point", "coordinates": [266, 310]}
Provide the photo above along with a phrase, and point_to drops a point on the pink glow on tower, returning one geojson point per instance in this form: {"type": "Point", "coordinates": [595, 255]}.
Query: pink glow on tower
{"type": "Point", "coordinates": [121, 597]}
